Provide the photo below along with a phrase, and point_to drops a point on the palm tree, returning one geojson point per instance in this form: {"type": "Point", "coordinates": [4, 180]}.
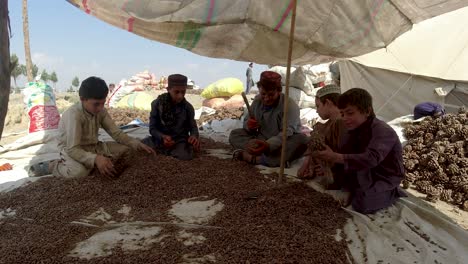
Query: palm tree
{"type": "Point", "coordinates": [15, 68]}
{"type": "Point", "coordinates": [27, 48]}
{"type": "Point", "coordinates": [45, 76]}
{"type": "Point", "coordinates": [5, 66]}
{"type": "Point", "coordinates": [53, 78]}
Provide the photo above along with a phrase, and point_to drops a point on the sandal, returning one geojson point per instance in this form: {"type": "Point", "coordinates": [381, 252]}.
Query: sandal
{"type": "Point", "coordinates": [237, 156]}
{"type": "Point", "coordinates": [40, 169]}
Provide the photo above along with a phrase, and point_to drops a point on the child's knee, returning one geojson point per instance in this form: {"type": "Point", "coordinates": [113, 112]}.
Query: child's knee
{"type": "Point", "coordinates": [76, 171]}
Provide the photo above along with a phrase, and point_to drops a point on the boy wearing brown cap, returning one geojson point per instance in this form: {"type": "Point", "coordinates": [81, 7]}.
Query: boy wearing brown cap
{"type": "Point", "coordinates": [173, 129]}
{"type": "Point", "coordinates": [260, 141]}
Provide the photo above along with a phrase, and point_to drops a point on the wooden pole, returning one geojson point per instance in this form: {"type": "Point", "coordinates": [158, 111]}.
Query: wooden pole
{"type": "Point", "coordinates": [27, 46]}
{"type": "Point", "coordinates": [286, 95]}
{"type": "Point", "coordinates": [4, 62]}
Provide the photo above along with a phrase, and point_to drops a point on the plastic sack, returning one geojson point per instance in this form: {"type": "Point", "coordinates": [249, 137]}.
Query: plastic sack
{"type": "Point", "coordinates": [137, 100]}
{"type": "Point", "coordinates": [39, 99]}
{"type": "Point", "coordinates": [282, 71]}
{"type": "Point", "coordinates": [43, 117]}
{"type": "Point", "coordinates": [235, 101]}
{"type": "Point", "coordinates": [223, 88]}
{"type": "Point", "coordinates": [301, 98]}
{"type": "Point", "coordinates": [301, 80]}
{"type": "Point", "coordinates": [215, 103]}
{"type": "Point", "coordinates": [123, 89]}
{"type": "Point", "coordinates": [38, 93]}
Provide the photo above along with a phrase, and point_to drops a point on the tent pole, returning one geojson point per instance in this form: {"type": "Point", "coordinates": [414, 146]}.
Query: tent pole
{"type": "Point", "coordinates": [279, 180]}
{"type": "Point", "coordinates": [4, 62]}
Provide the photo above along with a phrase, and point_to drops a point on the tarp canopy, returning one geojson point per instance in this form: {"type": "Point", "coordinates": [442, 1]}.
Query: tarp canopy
{"type": "Point", "coordinates": [258, 30]}
{"type": "Point", "coordinates": [435, 48]}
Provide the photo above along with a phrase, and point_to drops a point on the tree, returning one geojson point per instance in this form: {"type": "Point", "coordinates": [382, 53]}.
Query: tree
{"type": "Point", "coordinates": [53, 78]}
{"type": "Point", "coordinates": [27, 48]}
{"type": "Point", "coordinates": [76, 82]}
{"type": "Point", "coordinates": [70, 90]}
{"type": "Point", "coordinates": [5, 67]}
{"type": "Point", "coordinates": [15, 68]}
{"type": "Point", "coordinates": [45, 76]}
{"type": "Point", "coordinates": [35, 70]}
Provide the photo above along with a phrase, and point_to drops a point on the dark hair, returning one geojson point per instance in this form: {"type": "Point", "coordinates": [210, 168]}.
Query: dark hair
{"type": "Point", "coordinates": [359, 98]}
{"type": "Point", "coordinates": [93, 88]}
{"type": "Point", "coordinates": [333, 97]}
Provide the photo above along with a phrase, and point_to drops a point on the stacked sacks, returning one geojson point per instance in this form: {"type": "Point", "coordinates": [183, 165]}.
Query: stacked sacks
{"type": "Point", "coordinates": [146, 80]}
{"type": "Point", "coordinates": [436, 158]}
{"type": "Point", "coordinates": [136, 100]}
{"type": "Point", "coordinates": [39, 99]}
{"type": "Point", "coordinates": [224, 93]}
{"type": "Point", "coordinates": [123, 89]}
{"type": "Point", "coordinates": [304, 82]}
{"type": "Point", "coordinates": [139, 82]}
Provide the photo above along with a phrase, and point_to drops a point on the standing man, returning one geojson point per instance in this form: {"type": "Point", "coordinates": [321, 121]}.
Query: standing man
{"type": "Point", "coordinates": [250, 82]}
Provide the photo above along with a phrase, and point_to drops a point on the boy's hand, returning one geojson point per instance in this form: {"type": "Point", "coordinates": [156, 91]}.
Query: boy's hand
{"type": "Point", "coordinates": [195, 142]}
{"type": "Point", "coordinates": [318, 171]}
{"type": "Point", "coordinates": [146, 148]}
{"type": "Point", "coordinates": [252, 124]}
{"type": "Point", "coordinates": [328, 155]}
{"type": "Point", "coordinates": [304, 171]}
{"type": "Point", "coordinates": [105, 166]}
{"type": "Point", "coordinates": [168, 142]}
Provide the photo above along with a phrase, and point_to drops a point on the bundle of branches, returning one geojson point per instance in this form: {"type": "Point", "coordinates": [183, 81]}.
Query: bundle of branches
{"type": "Point", "coordinates": [436, 158]}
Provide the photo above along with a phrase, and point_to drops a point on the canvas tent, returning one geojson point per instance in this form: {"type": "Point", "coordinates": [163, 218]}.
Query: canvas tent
{"type": "Point", "coordinates": [258, 31]}
{"type": "Point", "coordinates": [428, 63]}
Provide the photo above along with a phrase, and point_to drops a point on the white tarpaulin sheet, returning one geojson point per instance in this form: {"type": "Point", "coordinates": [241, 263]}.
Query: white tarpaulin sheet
{"type": "Point", "coordinates": [435, 48]}
{"type": "Point", "coordinates": [396, 93]}
{"type": "Point", "coordinates": [258, 30]}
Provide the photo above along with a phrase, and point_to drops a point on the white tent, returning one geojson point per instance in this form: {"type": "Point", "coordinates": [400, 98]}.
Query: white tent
{"type": "Point", "coordinates": [428, 63]}
{"type": "Point", "coordinates": [258, 31]}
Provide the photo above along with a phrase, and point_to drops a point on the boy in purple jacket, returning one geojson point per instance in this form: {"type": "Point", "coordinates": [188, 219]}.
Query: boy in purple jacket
{"type": "Point", "coordinates": [370, 156]}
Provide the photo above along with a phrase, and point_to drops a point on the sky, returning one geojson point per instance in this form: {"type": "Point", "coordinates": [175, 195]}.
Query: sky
{"type": "Point", "coordinates": [72, 43]}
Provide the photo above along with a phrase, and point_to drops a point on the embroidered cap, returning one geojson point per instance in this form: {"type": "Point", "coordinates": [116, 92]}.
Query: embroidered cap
{"type": "Point", "coordinates": [328, 89]}
{"type": "Point", "coordinates": [270, 79]}
{"type": "Point", "coordinates": [176, 80]}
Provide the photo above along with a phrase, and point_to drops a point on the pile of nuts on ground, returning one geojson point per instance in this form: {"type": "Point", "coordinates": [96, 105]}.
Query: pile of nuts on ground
{"type": "Point", "coordinates": [436, 158]}
{"type": "Point", "coordinates": [123, 116]}
{"type": "Point", "coordinates": [222, 113]}
{"type": "Point", "coordinates": [290, 224]}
